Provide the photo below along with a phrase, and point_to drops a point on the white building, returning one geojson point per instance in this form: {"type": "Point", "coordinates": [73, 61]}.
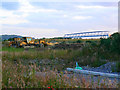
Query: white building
{"type": "Point", "coordinates": [88, 35]}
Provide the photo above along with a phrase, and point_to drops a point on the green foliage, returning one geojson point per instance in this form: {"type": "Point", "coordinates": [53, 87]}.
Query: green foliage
{"type": "Point", "coordinates": [88, 41]}
{"type": "Point", "coordinates": [112, 44]}
{"type": "Point", "coordinates": [93, 52]}
{"type": "Point", "coordinates": [12, 49]}
{"type": "Point", "coordinates": [43, 38]}
{"type": "Point", "coordinates": [17, 74]}
{"type": "Point", "coordinates": [97, 63]}
{"type": "Point", "coordinates": [78, 41]}
{"type": "Point", "coordinates": [58, 38]}
{"type": "Point", "coordinates": [11, 39]}
{"type": "Point", "coordinates": [63, 42]}
{"type": "Point", "coordinates": [118, 67]}
{"type": "Point", "coordinates": [51, 56]}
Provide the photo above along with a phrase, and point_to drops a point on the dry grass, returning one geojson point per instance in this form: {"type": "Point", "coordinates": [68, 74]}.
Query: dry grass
{"type": "Point", "coordinates": [61, 59]}
{"type": "Point", "coordinates": [19, 74]}
{"type": "Point", "coordinates": [22, 76]}
{"type": "Point", "coordinates": [71, 40]}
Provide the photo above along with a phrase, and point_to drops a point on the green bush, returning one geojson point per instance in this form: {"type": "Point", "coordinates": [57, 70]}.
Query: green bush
{"type": "Point", "coordinates": [97, 63]}
{"type": "Point", "coordinates": [88, 41]}
{"type": "Point", "coordinates": [112, 44]}
{"type": "Point", "coordinates": [78, 41]}
{"type": "Point", "coordinates": [118, 67]}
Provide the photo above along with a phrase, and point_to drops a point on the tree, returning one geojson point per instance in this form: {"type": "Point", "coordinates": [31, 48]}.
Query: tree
{"type": "Point", "coordinates": [112, 44]}
{"type": "Point", "coordinates": [10, 39]}
{"type": "Point", "coordinates": [79, 41]}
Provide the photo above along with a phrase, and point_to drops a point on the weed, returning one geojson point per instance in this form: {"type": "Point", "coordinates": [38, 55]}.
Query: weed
{"type": "Point", "coordinates": [19, 74]}
{"type": "Point", "coordinates": [118, 67]}
{"type": "Point", "coordinates": [97, 63]}
{"type": "Point", "coordinates": [25, 76]}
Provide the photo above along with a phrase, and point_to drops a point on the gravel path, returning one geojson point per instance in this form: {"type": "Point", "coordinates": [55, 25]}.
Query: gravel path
{"type": "Point", "coordinates": [106, 68]}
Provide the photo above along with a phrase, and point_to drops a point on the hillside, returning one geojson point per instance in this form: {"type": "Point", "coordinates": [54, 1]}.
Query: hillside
{"type": "Point", "coordinates": [6, 37]}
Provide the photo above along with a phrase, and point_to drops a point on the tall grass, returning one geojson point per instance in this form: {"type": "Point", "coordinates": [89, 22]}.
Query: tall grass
{"type": "Point", "coordinates": [87, 56]}
{"type": "Point", "coordinates": [18, 72]}
{"type": "Point", "coordinates": [12, 49]}
{"type": "Point", "coordinates": [22, 76]}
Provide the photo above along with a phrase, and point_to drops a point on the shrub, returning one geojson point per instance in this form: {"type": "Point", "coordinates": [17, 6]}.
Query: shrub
{"type": "Point", "coordinates": [118, 67]}
{"type": "Point", "coordinates": [112, 44]}
{"type": "Point", "coordinates": [97, 63]}
{"type": "Point", "coordinates": [78, 41]}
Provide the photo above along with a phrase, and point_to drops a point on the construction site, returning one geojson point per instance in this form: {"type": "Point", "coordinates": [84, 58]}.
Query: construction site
{"type": "Point", "coordinates": [78, 60]}
{"type": "Point", "coordinates": [59, 44]}
{"type": "Point", "coordinates": [74, 40]}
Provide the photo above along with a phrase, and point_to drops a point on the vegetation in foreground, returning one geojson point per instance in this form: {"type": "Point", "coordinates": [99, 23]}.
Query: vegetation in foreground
{"type": "Point", "coordinates": [17, 72]}
{"type": "Point", "coordinates": [22, 76]}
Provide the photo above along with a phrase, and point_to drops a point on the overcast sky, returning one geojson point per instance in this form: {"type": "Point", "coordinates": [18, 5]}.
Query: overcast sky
{"type": "Point", "coordinates": [54, 19]}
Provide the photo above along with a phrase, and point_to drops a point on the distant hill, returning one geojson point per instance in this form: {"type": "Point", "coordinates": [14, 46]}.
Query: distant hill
{"type": "Point", "coordinates": [6, 37]}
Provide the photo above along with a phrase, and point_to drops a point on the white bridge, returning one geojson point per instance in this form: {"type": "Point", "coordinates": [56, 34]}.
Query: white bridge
{"type": "Point", "coordinates": [94, 34]}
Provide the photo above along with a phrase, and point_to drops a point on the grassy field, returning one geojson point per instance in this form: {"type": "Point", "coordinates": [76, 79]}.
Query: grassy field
{"type": "Point", "coordinates": [20, 66]}
{"type": "Point", "coordinates": [81, 57]}
{"type": "Point", "coordinates": [16, 66]}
